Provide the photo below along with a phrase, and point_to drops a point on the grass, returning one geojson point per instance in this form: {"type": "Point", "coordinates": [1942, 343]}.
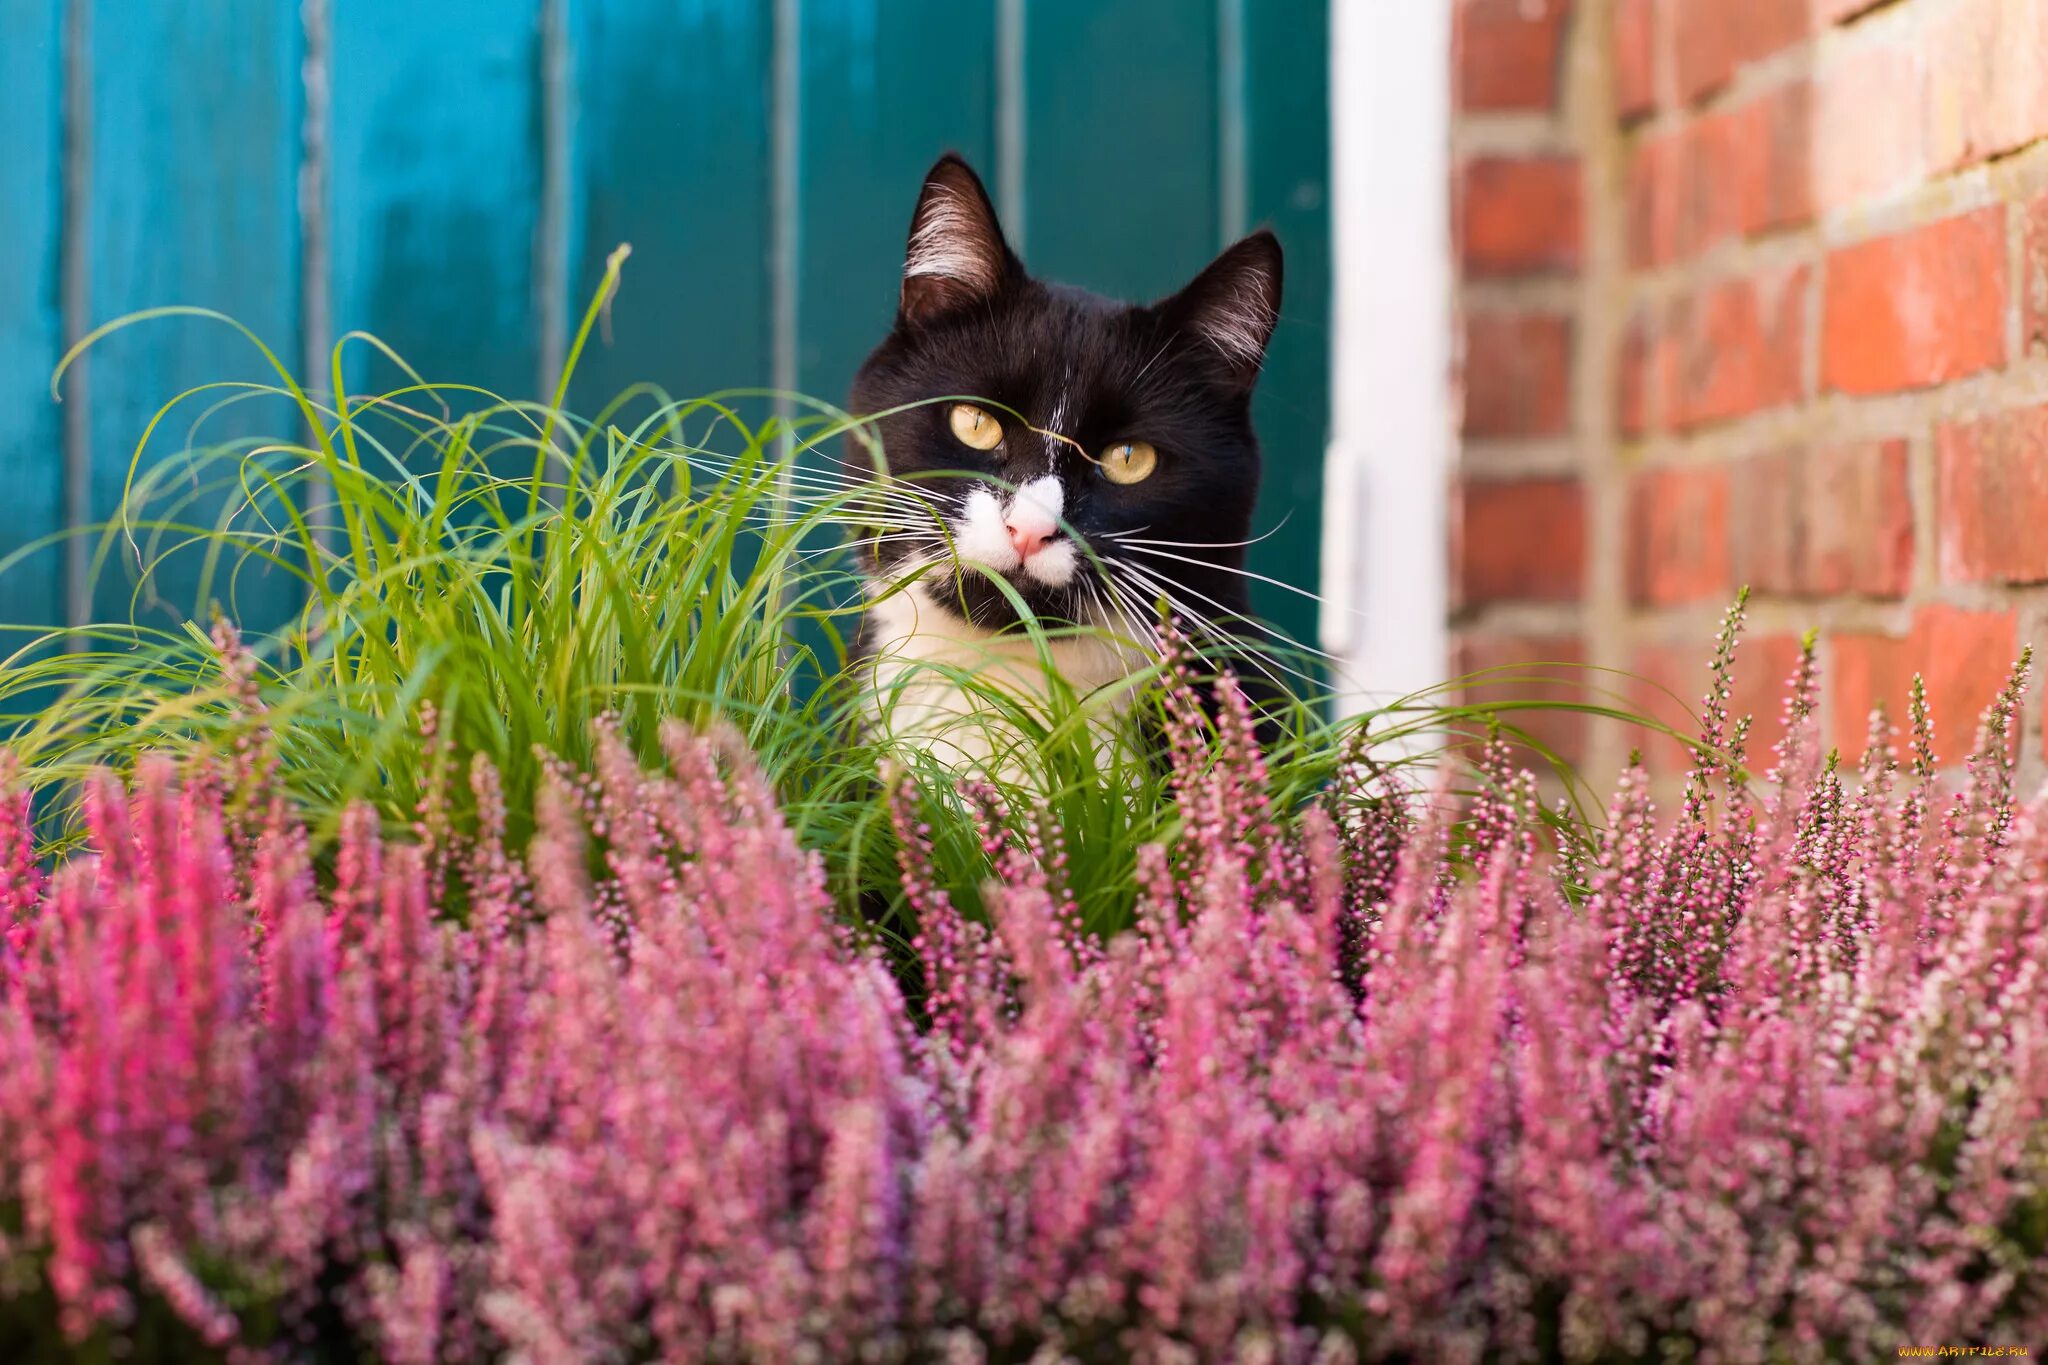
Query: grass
{"type": "Point", "coordinates": [517, 572]}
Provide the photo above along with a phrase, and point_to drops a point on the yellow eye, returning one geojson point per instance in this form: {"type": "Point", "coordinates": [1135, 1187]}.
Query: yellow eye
{"type": "Point", "coordinates": [975, 428]}
{"type": "Point", "coordinates": [1130, 461]}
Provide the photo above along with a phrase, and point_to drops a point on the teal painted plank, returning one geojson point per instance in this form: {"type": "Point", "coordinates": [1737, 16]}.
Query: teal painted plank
{"type": "Point", "coordinates": [435, 189]}
{"type": "Point", "coordinates": [31, 320]}
{"type": "Point", "coordinates": [191, 199]}
{"type": "Point", "coordinates": [1120, 142]}
{"type": "Point", "coordinates": [888, 85]}
{"type": "Point", "coordinates": [1287, 155]}
{"type": "Point", "coordinates": [671, 153]}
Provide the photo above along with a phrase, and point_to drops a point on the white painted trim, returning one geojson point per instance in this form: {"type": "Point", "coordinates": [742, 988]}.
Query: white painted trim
{"type": "Point", "coordinates": [1385, 513]}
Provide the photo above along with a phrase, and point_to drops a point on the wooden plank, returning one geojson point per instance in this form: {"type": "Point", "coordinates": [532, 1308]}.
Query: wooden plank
{"type": "Point", "coordinates": [670, 153]}
{"type": "Point", "coordinates": [31, 316]}
{"type": "Point", "coordinates": [1120, 142]}
{"type": "Point", "coordinates": [1137, 170]}
{"type": "Point", "coordinates": [436, 186]}
{"type": "Point", "coordinates": [191, 198]}
{"type": "Point", "coordinates": [888, 85]}
{"type": "Point", "coordinates": [1287, 155]}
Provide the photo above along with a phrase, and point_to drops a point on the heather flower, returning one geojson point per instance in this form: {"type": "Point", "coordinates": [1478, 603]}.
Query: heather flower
{"type": "Point", "coordinates": [1764, 1077]}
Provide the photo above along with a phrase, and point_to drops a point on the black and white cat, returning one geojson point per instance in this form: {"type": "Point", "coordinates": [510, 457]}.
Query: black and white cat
{"type": "Point", "coordinates": [1110, 464]}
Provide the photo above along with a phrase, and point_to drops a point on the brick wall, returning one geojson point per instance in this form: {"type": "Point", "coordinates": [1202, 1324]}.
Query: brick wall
{"type": "Point", "coordinates": [1755, 292]}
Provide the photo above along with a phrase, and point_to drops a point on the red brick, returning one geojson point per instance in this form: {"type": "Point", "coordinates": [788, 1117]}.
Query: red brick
{"type": "Point", "coordinates": [1739, 349]}
{"type": "Point", "coordinates": [1736, 172]}
{"type": "Point", "coordinates": [1678, 536]}
{"type": "Point", "coordinates": [1711, 164]}
{"type": "Point", "coordinates": [1667, 357]}
{"type": "Point", "coordinates": [1766, 506]}
{"type": "Point", "coordinates": [1656, 199]}
{"type": "Point", "coordinates": [1769, 175]}
{"type": "Point", "coordinates": [1517, 374]}
{"type": "Point", "coordinates": [1826, 523]}
{"type": "Point", "coordinates": [1917, 309]}
{"type": "Point", "coordinates": [1764, 668]}
{"type": "Point", "coordinates": [1988, 79]}
{"type": "Point", "coordinates": [1714, 37]}
{"type": "Point", "coordinates": [1633, 377]}
{"type": "Point", "coordinates": [1531, 668]}
{"type": "Point", "coordinates": [1856, 521]}
{"type": "Point", "coordinates": [1508, 52]}
{"type": "Point", "coordinates": [1521, 215]}
{"type": "Point", "coordinates": [1963, 655]}
{"type": "Point", "coordinates": [1520, 540]}
{"type": "Point", "coordinates": [2035, 247]}
{"type": "Point", "coordinates": [1993, 498]}
{"type": "Point", "coordinates": [1672, 683]}
{"type": "Point", "coordinates": [1664, 683]}
{"type": "Point", "coordinates": [1863, 147]}
{"type": "Point", "coordinates": [1635, 58]}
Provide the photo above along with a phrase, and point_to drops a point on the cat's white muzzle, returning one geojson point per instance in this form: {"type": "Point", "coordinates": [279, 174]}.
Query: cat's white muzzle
{"type": "Point", "coordinates": [1018, 534]}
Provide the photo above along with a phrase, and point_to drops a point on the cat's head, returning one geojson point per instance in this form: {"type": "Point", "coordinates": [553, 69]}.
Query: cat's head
{"type": "Point", "coordinates": [1122, 427]}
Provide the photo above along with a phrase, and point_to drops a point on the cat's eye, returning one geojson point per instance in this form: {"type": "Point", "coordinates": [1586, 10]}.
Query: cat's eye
{"type": "Point", "coordinates": [975, 428]}
{"type": "Point", "coordinates": [1129, 461]}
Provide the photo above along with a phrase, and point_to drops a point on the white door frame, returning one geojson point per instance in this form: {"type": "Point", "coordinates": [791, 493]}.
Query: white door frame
{"type": "Point", "coordinates": [1387, 472]}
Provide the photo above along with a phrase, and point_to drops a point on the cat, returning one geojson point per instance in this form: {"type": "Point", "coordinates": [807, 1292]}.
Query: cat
{"type": "Point", "coordinates": [1096, 456]}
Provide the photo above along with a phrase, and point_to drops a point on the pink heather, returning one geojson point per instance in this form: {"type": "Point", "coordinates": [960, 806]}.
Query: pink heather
{"type": "Point", "coordinates": [1765, 1080]}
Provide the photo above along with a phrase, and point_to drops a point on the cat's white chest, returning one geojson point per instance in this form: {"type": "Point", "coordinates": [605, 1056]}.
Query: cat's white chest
{"type": "Point", "coordinates": [919, 653]}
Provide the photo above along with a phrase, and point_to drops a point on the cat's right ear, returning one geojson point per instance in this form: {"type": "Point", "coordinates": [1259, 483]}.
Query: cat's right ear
{"type": "Point", "coordinates": [957, 257]}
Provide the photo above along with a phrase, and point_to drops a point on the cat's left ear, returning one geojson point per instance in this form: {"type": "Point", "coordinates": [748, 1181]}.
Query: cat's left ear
{"type": "Point", "coordinates": [957, 257]}
{"type": "Point", "coordinates": [1233, 305]}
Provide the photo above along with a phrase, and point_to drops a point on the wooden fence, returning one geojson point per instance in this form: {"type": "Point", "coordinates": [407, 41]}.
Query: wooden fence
{"type": "Point", "coordinates": [450, 174]}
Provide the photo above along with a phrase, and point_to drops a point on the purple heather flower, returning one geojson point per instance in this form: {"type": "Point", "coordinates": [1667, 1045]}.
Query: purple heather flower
{"type": "Point", "coordinates": [1766, 1077]}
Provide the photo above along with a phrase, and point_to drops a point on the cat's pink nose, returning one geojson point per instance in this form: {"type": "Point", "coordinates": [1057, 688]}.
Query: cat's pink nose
{"type": "Point", "coordinates": [1029, 537]}
{"type": "Point", "coordinates": [1033, 516]}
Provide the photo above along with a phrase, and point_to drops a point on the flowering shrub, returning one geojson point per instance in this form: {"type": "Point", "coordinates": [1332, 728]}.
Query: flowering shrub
{"type": "Point", "coordinates": [1763, 1080]}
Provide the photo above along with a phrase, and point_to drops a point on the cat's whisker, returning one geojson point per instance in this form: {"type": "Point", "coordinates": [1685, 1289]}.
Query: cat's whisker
{"type": "Point", "coordinates": [867, 490]}
{"type": "Point", "coordinates": [1224, 568]}
{"type": "Point", "coordinates": [811, 486]}
{"type": "Point", "coordinates": [874, 516]}
{"type": "Point", "coordinates": [866, 469]}
{"type": "Point", "coordinates": [866, 519]}
{"type": "Point", "coordinates": [1160, 588]}
{"type": "Point", "coordinates": [927, 543]}
{"type": "Point", "coordinates": [859, 523]}
{"type": "Point", "coordinates": [1157, 355]}
{"type": "Point", "coordinates": [1131, 538]}
{"type": "Point", "coordinates": [716, 460]}
{"type": "Point", "coordinates": [930, 507]}
{"type": "Point", "coordinates": [1145, 594]}
{"type": "Point", "coordinates": [1103, 613]}
{"type": "Point", "coordinates": [1140, 633]}
{"type": "Point", "coordinates": [1117, 593]}
{"type": "Point", "coordinates": [1195, 624]}
{"type": "Point", "coordinates": [851, 501]}
{"type": "Point", "coordinates": [872, 543]}
{"type": "Point", "coordinates": [846, 498]}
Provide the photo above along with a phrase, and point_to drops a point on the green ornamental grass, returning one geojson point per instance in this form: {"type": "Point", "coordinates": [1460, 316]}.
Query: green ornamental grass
{"type": "Point", "coordinates": [481, 576]}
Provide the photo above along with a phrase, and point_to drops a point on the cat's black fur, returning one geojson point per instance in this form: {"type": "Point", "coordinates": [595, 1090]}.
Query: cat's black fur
{"type": "Point", "coordinates": [1177, 373]}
